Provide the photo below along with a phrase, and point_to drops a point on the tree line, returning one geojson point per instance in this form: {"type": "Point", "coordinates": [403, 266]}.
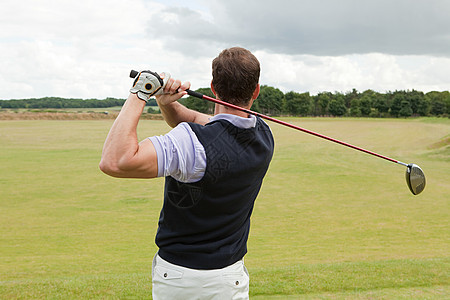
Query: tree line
{"type": "Point", "coordinates": [272, 101]}
{"type": "Point", "coordinates": [57, 102]}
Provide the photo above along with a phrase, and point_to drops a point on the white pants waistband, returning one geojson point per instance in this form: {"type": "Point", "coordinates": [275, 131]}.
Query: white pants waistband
{"type": "Point", "coordinates": [170, 281]}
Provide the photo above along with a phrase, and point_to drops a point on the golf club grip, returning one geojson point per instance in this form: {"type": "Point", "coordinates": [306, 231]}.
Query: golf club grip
{"type": "Point", "coordinates": [195, 94]}
{"type": "Point", "coordinates": [133, 73]}
{"type": "Point", "coordinates": [201, 96]}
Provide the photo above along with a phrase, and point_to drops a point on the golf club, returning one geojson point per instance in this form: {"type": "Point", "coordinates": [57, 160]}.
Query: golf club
{"type": "Point", "coordinates": [415, 178]}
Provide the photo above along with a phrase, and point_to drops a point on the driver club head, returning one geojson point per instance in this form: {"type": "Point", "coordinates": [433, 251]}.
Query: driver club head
{"type": "Point", "coordinates": [415, 178]}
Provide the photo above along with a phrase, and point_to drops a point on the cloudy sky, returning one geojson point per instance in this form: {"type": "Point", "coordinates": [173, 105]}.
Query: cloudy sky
{"type": "Point", "coordinates": [85, 49]}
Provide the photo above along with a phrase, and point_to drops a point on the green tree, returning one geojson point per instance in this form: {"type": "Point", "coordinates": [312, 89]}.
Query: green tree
{"type": "Point", "coordinates": [270, 100]}
{"type": "Point", "coordinates": [297, 104]}
{"type": "Point", "coordinates": [337, 107]}
{"type": "Point", "coordinates": [291, 104]}
{"type": "Point", "coordinates": [405, 110]}
{"type": "Point", "coordinates": [355, 110]}
{"type": "Point", "coordinates": [321, 102]}
{"type": "Point", "coordinates": [350, 96]}
{"type": "Point", "coordinates": [415, 99]}
{"type": "Point", "coordinates": [380, 103]}
{"type": "Point", "coordinates": [305, 104]}
{"type": "Point", "coordinates": [424, 107]}
{"type": "Point", "coordinates": [365, 105]}
{"type": "Point", "coordinates": [396, 104]}
{"type": "Point", "coordinates": [437, 103]}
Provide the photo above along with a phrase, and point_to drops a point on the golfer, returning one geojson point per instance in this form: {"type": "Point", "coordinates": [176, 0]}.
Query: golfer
{"type": "Point", "coordinates": [213, 168]}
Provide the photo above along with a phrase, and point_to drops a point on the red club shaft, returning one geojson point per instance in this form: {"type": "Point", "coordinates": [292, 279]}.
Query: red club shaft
{"type": "Point", "coordinates": [201, 96]}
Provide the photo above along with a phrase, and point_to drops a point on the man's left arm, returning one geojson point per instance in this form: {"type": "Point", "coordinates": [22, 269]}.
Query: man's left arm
{"type": "Point", "coordinates": [122, 155]}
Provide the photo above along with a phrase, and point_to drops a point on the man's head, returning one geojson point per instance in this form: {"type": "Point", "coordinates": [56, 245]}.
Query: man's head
{"type": "Point", "coordinates": [235, 75]}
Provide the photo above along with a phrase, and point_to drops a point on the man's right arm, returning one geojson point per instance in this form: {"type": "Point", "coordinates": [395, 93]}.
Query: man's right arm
{"type": "Point", "coordinates": [173, 111]}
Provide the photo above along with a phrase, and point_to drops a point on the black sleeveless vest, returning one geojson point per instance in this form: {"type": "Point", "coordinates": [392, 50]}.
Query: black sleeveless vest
{"type": "Point", "coordinates": [205, 224]}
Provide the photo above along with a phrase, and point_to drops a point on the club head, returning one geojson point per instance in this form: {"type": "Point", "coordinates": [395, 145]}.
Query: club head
{"type": "Point", "coordinates": [415, 178]}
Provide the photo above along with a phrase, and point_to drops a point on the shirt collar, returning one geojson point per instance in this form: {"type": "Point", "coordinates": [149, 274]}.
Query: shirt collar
{"type": "Point", "coordinates": [237, 121]}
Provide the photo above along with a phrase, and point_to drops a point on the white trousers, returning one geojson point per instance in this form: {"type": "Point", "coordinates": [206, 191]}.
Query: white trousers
{"type": "Point", "coordinates": [172, 282]}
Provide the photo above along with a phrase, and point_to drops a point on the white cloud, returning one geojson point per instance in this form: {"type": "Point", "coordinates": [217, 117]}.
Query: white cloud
{"type": "Point", "coordinates": [73, 48]}
{"type": "Point", "coordinates": [376, 71]}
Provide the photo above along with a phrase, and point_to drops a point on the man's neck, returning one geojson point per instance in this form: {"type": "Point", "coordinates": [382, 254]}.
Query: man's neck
{"type": "Point", "coordinates": [220, 109]}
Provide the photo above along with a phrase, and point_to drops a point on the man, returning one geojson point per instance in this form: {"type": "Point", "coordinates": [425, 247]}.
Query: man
{"type": "Point", "coordinates": [214, 167]}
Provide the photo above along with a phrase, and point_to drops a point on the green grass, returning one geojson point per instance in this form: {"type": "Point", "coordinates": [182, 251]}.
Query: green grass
{"type": "Point", "coordinates": [330, 222]}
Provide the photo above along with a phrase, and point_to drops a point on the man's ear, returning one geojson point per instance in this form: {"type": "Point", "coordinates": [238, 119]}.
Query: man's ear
{"type": "Point", "coordinates": [212, 89]}
{"type": "Point", "coordinates": [256, 92]}
{"type": "Point", "coordinates": [254, 96]}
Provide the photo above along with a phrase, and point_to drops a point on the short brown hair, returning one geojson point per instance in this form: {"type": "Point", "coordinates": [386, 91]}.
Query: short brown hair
{"type": "Point", "coordinates": [235, 75]}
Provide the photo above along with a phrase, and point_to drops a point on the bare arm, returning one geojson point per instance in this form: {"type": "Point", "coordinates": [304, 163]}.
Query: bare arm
{"type": "Point", "coordinates": [174, 112]}
{"type": "Point", "coordinates": [122, 155]}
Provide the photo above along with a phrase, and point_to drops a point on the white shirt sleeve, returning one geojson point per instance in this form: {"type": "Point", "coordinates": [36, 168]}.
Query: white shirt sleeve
{"type": "Point", "coordinates": [180, 154]}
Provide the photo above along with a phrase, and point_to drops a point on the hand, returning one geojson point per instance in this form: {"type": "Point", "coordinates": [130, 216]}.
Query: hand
{"type": "Point", "coordinates": [148, 84]}
{"type": "Point", "coordinates": [173, 90]}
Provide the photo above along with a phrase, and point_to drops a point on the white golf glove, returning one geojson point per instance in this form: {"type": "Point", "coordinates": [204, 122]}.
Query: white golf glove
{"type": "Point", "coordinates": [148, 84]}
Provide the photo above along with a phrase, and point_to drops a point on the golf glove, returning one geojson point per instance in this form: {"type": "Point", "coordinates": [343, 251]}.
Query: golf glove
{"type": "Point", "coordinates": [148, 84]}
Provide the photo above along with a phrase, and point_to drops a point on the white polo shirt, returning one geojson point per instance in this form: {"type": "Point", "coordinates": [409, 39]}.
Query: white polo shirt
{"type": "Point", "coordinates": [181, 155]}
